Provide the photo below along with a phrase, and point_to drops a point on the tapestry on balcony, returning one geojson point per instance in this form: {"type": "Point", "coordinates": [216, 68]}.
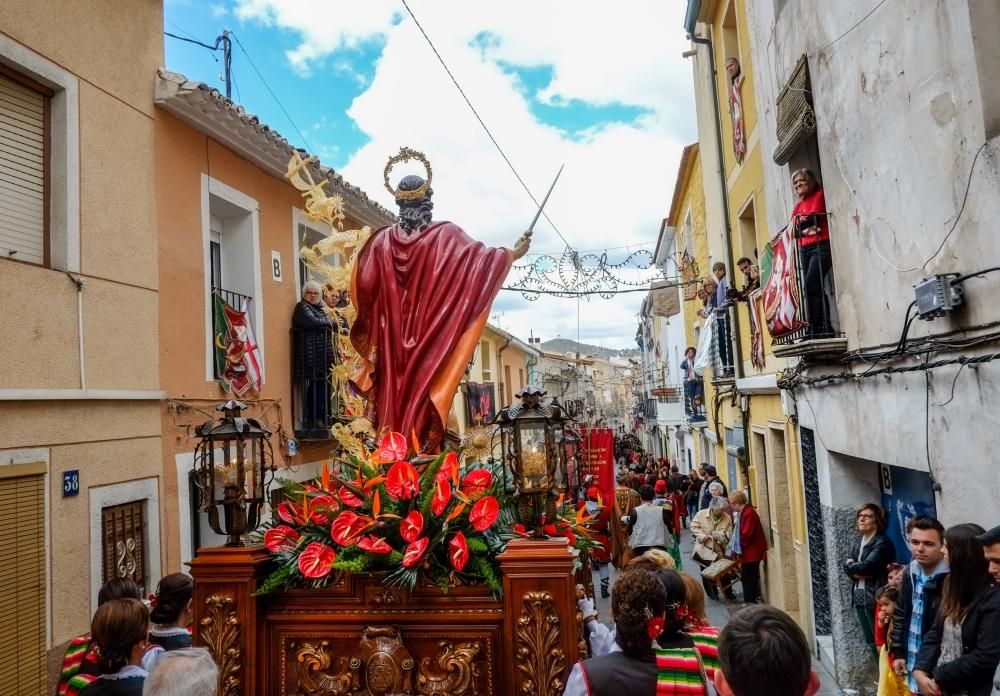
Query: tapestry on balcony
{"type": "Point", "coordinates": [237, 356]}
{"type": "Point", "coordinates": [780, 286]}
{"type": "Point", "coordinates": [480, 401]}
{"type": "Point", "coordinates": [757, 356]}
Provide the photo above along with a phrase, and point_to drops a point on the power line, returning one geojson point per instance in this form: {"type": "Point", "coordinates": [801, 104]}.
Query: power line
{"type": "Point", "coordinates": [481, 122]}
{"type": "Point", "coordinates": [852, 28]}
{"type": "Point", "coordinates": [271, 92]}
{"type": "Point", "coordinates": [192, 41]}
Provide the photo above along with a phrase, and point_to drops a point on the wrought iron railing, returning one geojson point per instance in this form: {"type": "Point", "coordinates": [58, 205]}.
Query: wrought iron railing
{"type": "Point", "coordinates": [694, 400]}
{"type": "Point", "coordinates": [722, 344]}
{"type": "Point", "coordinates": [316, 401]}
{"type": "Point", "coordinates": [815, 294]}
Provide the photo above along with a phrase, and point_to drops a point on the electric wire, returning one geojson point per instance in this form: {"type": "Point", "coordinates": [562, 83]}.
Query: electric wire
{"type": "Point", "coordinates": [849, 30]}
{"type": "Point", "coordinates": [191, 41]}
{"type": "Point", "coordinates": [271, 91]}
{"type": "Point", "coordinates": [481, 122]}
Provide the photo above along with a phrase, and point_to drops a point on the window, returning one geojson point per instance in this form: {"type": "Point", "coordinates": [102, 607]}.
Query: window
{"type": "Point", "coordinates": [747, 223]}
{"type": "Point", "coordinates": [730, 35]}
{"type": "Point", "coordinates": [24, 145]}
{"type": "Point", "coordinates": [507, 387]}
{"type": "Point", "coordinates": [985, 20]}
{"type": "Point", "coordinates": [22, 576]}
{"type": "Point", "coordinates": [688, 236]}
{"type": "Point", "coordinates": [484, 357]}
{"type": "Point", "coordinates": [123, 542]}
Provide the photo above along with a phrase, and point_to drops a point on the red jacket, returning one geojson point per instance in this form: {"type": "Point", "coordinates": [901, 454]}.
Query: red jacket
{"type": "Point", "coordinates": [752, 539]}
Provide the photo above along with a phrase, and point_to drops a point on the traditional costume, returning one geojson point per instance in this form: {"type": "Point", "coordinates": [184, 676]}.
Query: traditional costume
{"type": "Point", "coordinates": [79, 667]}
{"type": "Point", "coordinates": [127, 681]}
{"type": "Point", "coordinates": [162, 640]}
{"type": "Point", "coordinates": [600, 555]}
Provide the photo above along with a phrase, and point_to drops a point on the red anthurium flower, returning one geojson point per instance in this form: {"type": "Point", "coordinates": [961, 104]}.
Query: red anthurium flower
{"type": "Point", "coordinates": [411, 526]}
{"type": "Point", "coordinates": [374, 544]}
{"type": "Point", "coordinates": [280, 539]}
{"type": "Point", "coordinates": [476, 483]}
{"type": "Point", "coordinates": [519, 529]}
{"type": "Point", "coordinates": [392, 448]}
{"type": "Point", "coordinates": [484, 513]}
{"type": "Point", "coordinates": [316, 560]}
{"type": "Point", "coordinates": [289, 513]}
{"type": "Point", "coordinates": [415, 551]}
{"type": "Point", "coordinates": [320, 506]}
{"type": "Point", "coordinates": [449, 468]}
{"type": "Point", "coordinates": [549, 529]}
{"type": "Point", "coordinates": [346, 528]}
{"type": "Point", "coordinates": [348, 498]}
{"type": "Point", "coordinates": [402, 482]}
{"type": "Point", "coordinates": [458, 551]}
{"type": "Point", "coordinates": [442, 495]}
{"type": "Point", "coordinates": [565, 531]}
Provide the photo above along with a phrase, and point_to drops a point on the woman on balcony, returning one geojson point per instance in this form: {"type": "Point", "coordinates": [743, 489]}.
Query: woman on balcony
{"type": "Point", "coordinates": [314, 354]}
{"type": "Point", "coordinates": [812, 231]}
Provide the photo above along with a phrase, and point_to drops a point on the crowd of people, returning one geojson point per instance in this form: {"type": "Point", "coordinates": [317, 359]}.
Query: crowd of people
{"type": "Point", "coordinates": [140, 647]}
{"type": "Point", "coordinates": [933, 623]}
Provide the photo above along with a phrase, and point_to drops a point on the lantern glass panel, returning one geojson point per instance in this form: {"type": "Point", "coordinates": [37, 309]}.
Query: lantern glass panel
{"type": "Point", "coordinates": [534, 457]}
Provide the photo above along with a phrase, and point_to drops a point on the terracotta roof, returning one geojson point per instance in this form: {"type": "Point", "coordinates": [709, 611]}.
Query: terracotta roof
{"type": "Point", "coordinates": [210, 112]}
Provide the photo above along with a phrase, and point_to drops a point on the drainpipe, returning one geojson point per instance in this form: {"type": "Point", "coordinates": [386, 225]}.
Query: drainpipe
{"type": "Point", "coordinates": [80, 282]}
{"type": "Point", "coordinates": [730, 268]}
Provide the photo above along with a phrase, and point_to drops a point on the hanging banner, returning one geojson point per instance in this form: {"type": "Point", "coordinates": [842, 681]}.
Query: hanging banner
{"type": "Point", "coordinates": [480, 402]}
{"type": "Point", "coordinates": [597, 458]}
{"type": "Point", "coordinates": [237, 356]}
{"type": "Point", "coordinates": [757, 356]}
{"type": "Point", "coordinates": [780, 287]}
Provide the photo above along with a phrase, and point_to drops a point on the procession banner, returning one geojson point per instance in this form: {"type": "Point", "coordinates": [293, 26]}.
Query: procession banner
{"type": "Point", "coordinates": [480, 402]}
{"type": "Point", "coordinates": [780, 286]}
{"type": "Point", "coordinates": [597, 457]}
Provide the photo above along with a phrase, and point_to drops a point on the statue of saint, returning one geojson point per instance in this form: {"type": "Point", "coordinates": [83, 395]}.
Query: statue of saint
{"type": "Point", "coordinates": [423, 292]}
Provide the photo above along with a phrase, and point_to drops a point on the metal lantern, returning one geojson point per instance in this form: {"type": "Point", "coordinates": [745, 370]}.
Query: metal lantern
{"type": "Point", "coordinates": [234, 467]}
{"type": "Point", "coordinates": [532, 440]}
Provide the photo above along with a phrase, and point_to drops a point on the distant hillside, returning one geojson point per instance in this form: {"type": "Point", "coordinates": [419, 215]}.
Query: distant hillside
{"type": "Point", "coordinates": [566, 345]}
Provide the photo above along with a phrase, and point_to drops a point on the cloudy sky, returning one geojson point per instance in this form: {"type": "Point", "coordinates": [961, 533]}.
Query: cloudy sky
{"type": "Point", "coordinates": [600, 87]}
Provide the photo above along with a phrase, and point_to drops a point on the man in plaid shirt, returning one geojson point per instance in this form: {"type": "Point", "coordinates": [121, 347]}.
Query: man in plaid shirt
{"type": "Point", "coordinates": [919, 594]}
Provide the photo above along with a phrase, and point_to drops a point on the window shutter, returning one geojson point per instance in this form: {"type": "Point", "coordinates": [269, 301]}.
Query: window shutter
{"type": "Point", "coordinates": [795, 115]}
{"type": "Point", "coordinates": [22, 582]}
{"type": "Point", "coordinates": [22, 172]}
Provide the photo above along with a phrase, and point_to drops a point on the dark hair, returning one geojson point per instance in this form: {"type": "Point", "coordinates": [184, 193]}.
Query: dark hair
{"type": "Point", "coordinates": [875, 510]}
{"type": "Point", "coordinates": [925, 522]}
{"type": "Point", "coordinates": [968, 573]}
{"type": "Point", "coordinates": [116, 629]}
{"type": "Point", "coordinates": [646, 492]}
{"type": "Point", "coordinates": [762, 651]}
{"type": "Point", "coordinates": [636, 596]}
{"type": "Point", "coordinates": [118, 588]}
{"type": "Point", "coordinates": [690, 349]}
{"type": "Point", "coordinates": [711, 470]}
{"type": "Point", "coordinates": [673, 585]}
{"type": "Point", "coordinates": [744, 259]}
{"type": "Point", "coordinates": [172, 596]}
{"type": "Point", "coordinates": [890, 592]}
{"type": "Point", "coordinates": [718, 266]}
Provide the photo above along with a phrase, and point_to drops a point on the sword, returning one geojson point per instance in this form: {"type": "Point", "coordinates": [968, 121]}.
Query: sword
{"type": "Point", "coordinates": [545, 200]}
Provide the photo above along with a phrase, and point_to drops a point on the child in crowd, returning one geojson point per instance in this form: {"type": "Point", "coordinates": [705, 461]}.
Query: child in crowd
{"type": "Point", "coordinates": [885, 601]}
{"type": "Point", "coordinates": [171, 616]}
{"type": "Point", "coordinates": [119, 629]}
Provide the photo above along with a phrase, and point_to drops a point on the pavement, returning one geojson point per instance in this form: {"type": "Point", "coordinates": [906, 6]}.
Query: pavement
{"type": "Point", "coordinates": [718, 613]}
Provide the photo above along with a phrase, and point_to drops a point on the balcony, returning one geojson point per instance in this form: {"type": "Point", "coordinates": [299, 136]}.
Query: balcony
{"type": "Point", "coordinates": [723, 364]}
{"type": "Point", "coordinates": [694, 404]}
{"type": "Point", "coordinates": [316, 402]}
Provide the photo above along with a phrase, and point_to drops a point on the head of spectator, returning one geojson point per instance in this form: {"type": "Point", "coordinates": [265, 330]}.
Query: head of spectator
{"type": "Point", "coordinates": [642, 562]}
{"type": "Point", "coordinates": [719, 270]}
{"type": "Point", "coordinates": [660, 488]}
{"type": "Point", "coordinates": [718, 506]}
{"type": "Point", "coordinates": [968, 570]}
{"type": "Point", "coordinates": [637, 598]}
{"type": "Point", "coordinates": [748, 268]}
{"type": "Point", "coordinates": [886, 597]}
{"type": "Point", "coordinates": [804, 182]}
{"type": "Point", "coordinates": [661, 558]}
{"type": "Point", "coordinates": [646, 493]}
{"type": "Point", "coordinates": [119, 629]}
{"type": "Point", "coordinates": [737, 499]}
{"type": "Point", "coordinates": [690, 352]}
{"type": "Point", "coordinates": [710, 286]}
{"type": "Point", "coordinates": [172, 606]}
{"type": "Point", "coordinates": [991, 550]}
{"type": "Point", "coordinates": [710, 471]}
{"type": "Point", "coordinates": [716, 489]}
{"type": "Point", "coordinates": [621, 475]}
{"type": "Point", "coordinates": [926, 538]}
{"type": "Point", "coordinates": [763, 651]}
{"type": "Point", "coordinates": [312, 293]}
{"type": "Point", "coordinates": [894, 574]}
{"type": "Point", "coordinates": [677, 609]}
{"type": "Point", "coordinates": [674, 469]}
{"type": "Point", "coordinates": [694, 597]}
{"type": "Point", "coordinates": [870, 519]}
{"type": "Point", "coordinates": [118, 588]}
{"type": "Point", "coordinates": [693, 475]}
{"type": "Point", "coordinates": [732, 68]}
{"type": "Point", "coordinates": [183, 672]}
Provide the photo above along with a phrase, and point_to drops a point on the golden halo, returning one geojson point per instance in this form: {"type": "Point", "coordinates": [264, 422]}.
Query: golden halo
{"type": "Point", "coordinates": [405, 155]}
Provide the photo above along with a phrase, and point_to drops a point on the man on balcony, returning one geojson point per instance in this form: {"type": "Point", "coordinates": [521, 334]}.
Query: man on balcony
{"type": "Point", "coordinates": [722, 319]}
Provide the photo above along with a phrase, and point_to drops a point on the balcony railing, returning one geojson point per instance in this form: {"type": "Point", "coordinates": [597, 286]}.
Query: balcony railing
{"type": "Point", "coordinates": [315, 402]}
{"type": "Point", "coordinates": [723, 365]}
{"type": "Point", "coordinates": [694, 402]}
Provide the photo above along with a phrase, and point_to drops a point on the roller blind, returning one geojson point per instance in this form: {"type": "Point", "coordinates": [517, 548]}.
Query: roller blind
{"type": "Point", "coordinates": [22, 172]}
{"type": "Point", "coordinates": [22, 581]}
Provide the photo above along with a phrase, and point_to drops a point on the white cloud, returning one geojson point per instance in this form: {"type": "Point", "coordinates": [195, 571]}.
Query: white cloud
{"type": "Point", "coordinates": [617, 183]}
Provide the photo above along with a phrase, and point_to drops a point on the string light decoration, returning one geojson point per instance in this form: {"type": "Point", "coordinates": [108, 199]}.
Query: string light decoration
{"type": "Point", "coordinates": [573, 274]}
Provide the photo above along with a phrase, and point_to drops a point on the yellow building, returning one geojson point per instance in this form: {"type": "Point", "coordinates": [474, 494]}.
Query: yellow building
{"type": "Point", "coordinates": [755, 446]}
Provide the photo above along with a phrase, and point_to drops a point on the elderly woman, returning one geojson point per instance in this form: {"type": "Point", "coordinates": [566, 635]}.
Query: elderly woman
{"type": "Point", "coordinates": [712, 528]}
{"type": "Point", "coordinates": [313, 356]}
{"type": "Point", "coordinates": [871, 555]}
{"type": "Point", "coordinates": [812, 230]}
{"type": "Point", "coordinates": [748, 545]}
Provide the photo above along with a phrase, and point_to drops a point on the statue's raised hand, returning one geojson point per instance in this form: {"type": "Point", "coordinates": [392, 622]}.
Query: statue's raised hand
{"type": "Point", "coordinates": [521, 245]}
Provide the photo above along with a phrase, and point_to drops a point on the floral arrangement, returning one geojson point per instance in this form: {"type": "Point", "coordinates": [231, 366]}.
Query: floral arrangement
{"type": "Point", "coordinates": [385, 511]}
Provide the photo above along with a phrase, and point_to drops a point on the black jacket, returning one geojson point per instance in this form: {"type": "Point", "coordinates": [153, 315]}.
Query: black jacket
{"type": "Point", "coordinates": [871, 564]}
{"type": "Point", "coordinates": [904, 611]}
{"type": "Point", "coordinates": [973, 671]}
{"type": "Point", "coordinates": [313, 342]}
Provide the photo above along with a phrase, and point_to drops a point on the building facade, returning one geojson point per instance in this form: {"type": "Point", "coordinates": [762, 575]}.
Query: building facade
{"type": "Point", "coordinates": [79, 382]}
{"type": "Point", "coordinates": [900, 130]}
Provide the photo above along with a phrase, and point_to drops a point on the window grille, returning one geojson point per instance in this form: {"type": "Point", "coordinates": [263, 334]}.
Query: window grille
{"type": "Point", "coordinates": [123, 542]}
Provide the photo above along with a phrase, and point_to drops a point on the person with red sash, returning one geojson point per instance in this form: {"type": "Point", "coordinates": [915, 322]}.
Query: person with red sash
{"type": "Point", "coordinates": [600, 555]}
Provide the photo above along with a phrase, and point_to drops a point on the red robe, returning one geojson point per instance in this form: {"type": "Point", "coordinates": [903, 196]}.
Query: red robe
{"type": "Point", "coordinates": [422, 299]}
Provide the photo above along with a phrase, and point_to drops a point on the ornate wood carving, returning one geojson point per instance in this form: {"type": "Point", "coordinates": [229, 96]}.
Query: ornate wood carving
{"type": "Point", "coordinates": [220, 631]}
{"type": "Point", "coordinates": [455, 672]}
{"type": "Point", "coordinates": [313, 663]}
{"type": "Point", "coordinates": [385, 597]}
{"type": "Point", "coordinates": [581, 634]}
{"type": "Point", "coordinates": [540, 659]}
{"type": "Point", "coordinates": [386, 663]}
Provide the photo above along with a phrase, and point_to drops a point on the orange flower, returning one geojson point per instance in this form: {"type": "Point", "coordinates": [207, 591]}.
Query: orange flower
{"type": "Point", "coordinates": [414, 552]}
{"type": "Point", "coordinates": [476, 483]}
{"type": "Point", "coordinates": [442, 495]}
{"type": "Point", "coordinates": [458, 551]}
{"type": "Point", "coordinates": [411, 526]}
{"type": "Point", "coordinates": [281, 539]}
{"type": "Point", "coordinates": [449, 468]}
{"type": "Point", "coordinates": [484, 513]}
{"type": "Point", "coordinates": [316, 560]}
{"type": "Point", "coordinates": [402, 482]}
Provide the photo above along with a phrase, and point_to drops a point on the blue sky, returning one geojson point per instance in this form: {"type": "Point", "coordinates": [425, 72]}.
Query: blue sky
{"type": "Point", "coordinates": [595, 86]}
